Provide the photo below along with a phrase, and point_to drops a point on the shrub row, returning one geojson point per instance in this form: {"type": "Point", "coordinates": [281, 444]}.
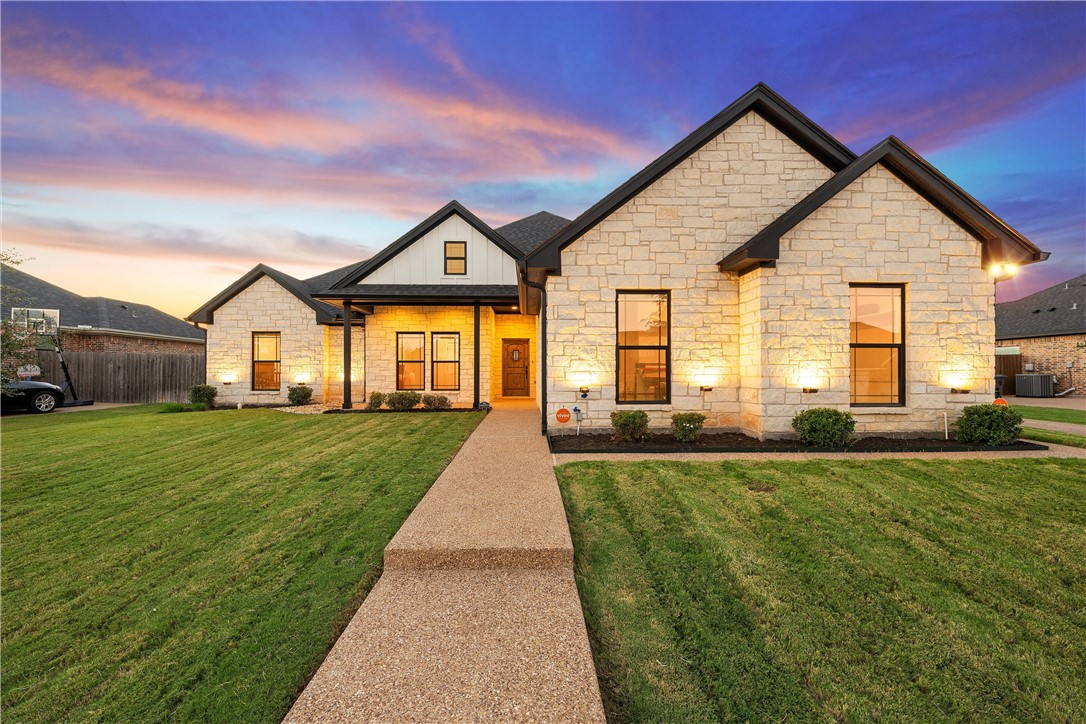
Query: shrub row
{"type": "Point", "coordinates": [633, 425]}
{"type": "Point", "coordinates": [407, 400]}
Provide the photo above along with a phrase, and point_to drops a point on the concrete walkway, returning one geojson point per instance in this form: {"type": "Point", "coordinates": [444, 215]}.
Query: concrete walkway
{"type": "Point", "coordinates": [476, 616]}
{"type": "Point", "coordinates": [1070, 402]}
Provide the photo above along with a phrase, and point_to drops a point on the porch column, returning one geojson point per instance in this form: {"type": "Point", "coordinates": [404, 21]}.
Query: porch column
{"type": "Point", "coordinates": [347, 355]}
{"type": "Point", "coordinates": [476, 406]}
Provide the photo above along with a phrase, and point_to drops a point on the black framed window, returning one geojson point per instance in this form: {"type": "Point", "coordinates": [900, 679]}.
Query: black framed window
{"type": "Point", "coordinates": [456, 258]}
{"type": "Point", "coordinates": [877, 344]}
{"type": "Point", "coordinates": [643, 350]}
{"type": "Point", "coordinates": [445, 361]}
{"type": "Point", "coordinates": [410, 360]}
{"type": "Point", "coordinates": [266, 362]}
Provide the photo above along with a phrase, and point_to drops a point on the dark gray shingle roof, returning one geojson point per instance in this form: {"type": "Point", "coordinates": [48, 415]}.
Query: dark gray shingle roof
{"type": "Point", "coordinates": [97, 312]}
{"type": "Point", "coordinates": [528, 233]}
{"type": "Point", "coordinates": [1058, 310]}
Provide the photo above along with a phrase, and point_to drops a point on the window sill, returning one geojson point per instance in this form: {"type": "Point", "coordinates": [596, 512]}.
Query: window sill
{"type": "Point", "coordinates": [859, 411]}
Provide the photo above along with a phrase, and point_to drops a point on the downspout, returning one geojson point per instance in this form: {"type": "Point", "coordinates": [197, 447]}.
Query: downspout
{"type": "Point", "coordinates": [365, 366]}
{"type": "Point", "coordinates": [542, 346]}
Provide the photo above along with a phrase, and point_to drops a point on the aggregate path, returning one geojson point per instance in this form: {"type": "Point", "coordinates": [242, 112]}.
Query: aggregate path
{"type": "Point", "coordinates": [476, 616]}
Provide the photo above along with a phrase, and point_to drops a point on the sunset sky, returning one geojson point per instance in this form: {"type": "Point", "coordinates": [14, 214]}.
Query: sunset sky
{"type": "Point", "coordinates": [154, 152]}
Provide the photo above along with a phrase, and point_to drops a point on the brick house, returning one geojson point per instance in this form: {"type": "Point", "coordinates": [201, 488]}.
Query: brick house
{"type": "Point", "coordinates": [755, 269]}
{"type": "Point", "coordinates": [1048, 331]}
{"type": "Point", "coordinates": [97, 324]}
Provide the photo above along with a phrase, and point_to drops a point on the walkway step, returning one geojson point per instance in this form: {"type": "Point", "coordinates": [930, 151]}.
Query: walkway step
{"type": "Point", "coordinates": [460, 646]}
{"type": "Point", "coordinates": [497, 505]}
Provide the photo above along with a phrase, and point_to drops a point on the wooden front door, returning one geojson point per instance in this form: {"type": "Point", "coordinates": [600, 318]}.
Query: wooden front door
{"type": "Point", "coordinates": [515, 368]}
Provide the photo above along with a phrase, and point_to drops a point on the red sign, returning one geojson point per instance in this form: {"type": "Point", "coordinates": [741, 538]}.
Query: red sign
{"type": "Point", "coordinates": [562, 415]}
{"type": "Point", "coordinates": [1001, 402]}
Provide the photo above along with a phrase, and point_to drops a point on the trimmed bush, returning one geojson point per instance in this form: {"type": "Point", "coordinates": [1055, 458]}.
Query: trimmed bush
{"type": "Point", "coordinates": [687, 425]}
{"type": "Point", "coordinates": [203, 395]}
{"type": "Point", "coordinates": [300, 395]}
{"type": "Point", "coordinates": [989, 425]}
{"type": "Point", "coordinates": [824, 427]}
{"type": "Point", "coordinates": [178, 407]}
{"type": "Point", "coordinates": [436, 402]}
{"type": "Point", "coordinates": [403, 400]}
{"type": "Point", "coordinates": [631, 425]}
{"type": "Point", "coordinates": [376, 400]}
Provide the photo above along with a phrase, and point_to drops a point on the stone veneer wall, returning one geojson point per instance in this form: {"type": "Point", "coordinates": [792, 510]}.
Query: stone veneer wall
{"type": "Point", "coordinates": [876, 230]}
{"type": "Point", "coordinates": [385, 322]}
{"type": "Point", "coordinates": [670, 236]}
{"type": "Point", "coordinates": [514, 326]}
{"type": "Point", "coordinates": [264, 307]}
{"type": "Point", "coordinates": [1050, 355]}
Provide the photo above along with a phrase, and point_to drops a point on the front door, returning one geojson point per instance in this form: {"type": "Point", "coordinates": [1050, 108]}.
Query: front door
{"type": "Point", "coordinates": [515, 368]}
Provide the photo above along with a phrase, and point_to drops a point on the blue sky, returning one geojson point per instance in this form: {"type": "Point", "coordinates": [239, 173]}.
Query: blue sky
{"type": "Point", "coordinates": [156, 151]}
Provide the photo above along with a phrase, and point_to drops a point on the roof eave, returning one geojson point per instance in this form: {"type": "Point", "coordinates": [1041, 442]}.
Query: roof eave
{"type": "Point", "coordinates": [206, 313]}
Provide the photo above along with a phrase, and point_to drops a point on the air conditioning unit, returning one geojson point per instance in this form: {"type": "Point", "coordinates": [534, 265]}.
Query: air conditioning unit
{"type": "Point", "coordinates": [1035, 385]}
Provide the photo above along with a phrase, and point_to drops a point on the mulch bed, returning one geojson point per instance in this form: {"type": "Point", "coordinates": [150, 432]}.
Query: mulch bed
{"type": "Point", "coordinates": [364, 411]}
{"type": "Point", "coordinates": [596, 442]}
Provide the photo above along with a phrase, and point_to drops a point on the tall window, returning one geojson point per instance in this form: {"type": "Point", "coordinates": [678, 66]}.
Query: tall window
{"type": "Point", "coordinates": [456, 257]}
{"type": "Point", "coordinates": [266, 361]}
{"type": "Point", "coordinates": [877, 344]}
{"type": "Point", "coordinates": [410, 360]}
{"type": "Point", "coordinates": [643, 352]}
{"type": "Point", "coordinates": [445, 361]}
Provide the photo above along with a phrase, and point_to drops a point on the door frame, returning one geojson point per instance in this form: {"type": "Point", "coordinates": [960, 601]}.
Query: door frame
{"type": "Point", "coordinates": [528, 366]}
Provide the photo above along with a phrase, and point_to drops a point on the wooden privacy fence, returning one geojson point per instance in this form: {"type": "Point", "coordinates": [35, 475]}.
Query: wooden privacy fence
{"type": "Point", "coordinates": [126, 376]}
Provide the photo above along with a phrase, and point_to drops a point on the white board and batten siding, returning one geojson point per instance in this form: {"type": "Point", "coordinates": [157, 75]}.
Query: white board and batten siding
{"type": "Point", "coordinates": [424, 261]}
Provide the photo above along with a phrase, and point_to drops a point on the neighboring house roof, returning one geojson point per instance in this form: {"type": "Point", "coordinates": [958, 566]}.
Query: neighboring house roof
{"type": "Point", "coordinates": [760, 99]}
{"type": "Point", "coordinates": [325, 312]}
{"type": "Point", "coordinates": [98, 313]}
{"type": "Point", "coordinates": [1058, 310]}
{"type": "Point", "coordinates": [364, 269]}
{"type": "Point", "coordinates": [531, 231]}
{"type": "Point", "coordinates": [1001, 242]}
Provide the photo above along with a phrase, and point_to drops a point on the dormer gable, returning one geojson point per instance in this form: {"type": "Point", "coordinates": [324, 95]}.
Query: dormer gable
{"type": "Point", "coordinates": [452, 246]}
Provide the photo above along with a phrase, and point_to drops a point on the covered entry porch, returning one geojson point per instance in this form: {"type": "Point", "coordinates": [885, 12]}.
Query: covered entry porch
{"type": "Point", "coordinates": [469, 343]}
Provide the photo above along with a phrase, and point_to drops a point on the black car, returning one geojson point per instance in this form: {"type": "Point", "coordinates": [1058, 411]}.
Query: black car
{"type": "Point", "coordinates": [31, 396]}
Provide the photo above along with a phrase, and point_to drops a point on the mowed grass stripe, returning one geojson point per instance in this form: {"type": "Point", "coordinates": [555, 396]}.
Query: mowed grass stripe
{"type": "Point", "coordinates": [913, 590]}
{"type": "Point", "coordinates": [198, 565]}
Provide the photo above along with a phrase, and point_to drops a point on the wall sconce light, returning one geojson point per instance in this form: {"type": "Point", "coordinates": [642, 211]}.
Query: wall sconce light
{"type": "Point", "coordinates": [584, 393]}
{"type": "Point", "coordinates": [810, 390]}
{"type": "Point", "coordinates": [959, 391]}
{"type": "Point", "coordinates": [706, 388]}
{"type": "Point", "coordinates": [301, 378]}
{"type": "Point", "coordinates": [228, 378]}
{"type": "Point", "coordinates": [809, 377]}
{"type": "Point", "coordinates": [1003, 270]}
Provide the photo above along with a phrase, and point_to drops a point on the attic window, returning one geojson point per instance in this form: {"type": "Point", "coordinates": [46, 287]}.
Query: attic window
{"type": "Point", "coordinates": [456, 258]}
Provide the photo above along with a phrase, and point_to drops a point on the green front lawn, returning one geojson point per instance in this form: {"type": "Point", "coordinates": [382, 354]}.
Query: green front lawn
{"type": "Point", "coordinates": [897, 590]}
{"type": "Point", "coordinates": [1052, 414]}
{"type": "Point", "coordinates": [195, 567]}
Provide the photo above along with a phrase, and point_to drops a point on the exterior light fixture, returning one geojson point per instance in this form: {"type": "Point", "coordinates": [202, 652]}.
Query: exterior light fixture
{"type": "Point", "coordinates": [959, 391]}
{"type": "Point", "coordinates": [228, 378]}
{"type": "Point", "coordinates": [706, 388]}
{"type": "Point", "coordinates": [810, 390]}
{"type": "Point", "coordinates": [1003, 270]}
{"type": "Point", "coordinates": [584, 393]}
{"type": "Point", "coordinates": [301, 378]}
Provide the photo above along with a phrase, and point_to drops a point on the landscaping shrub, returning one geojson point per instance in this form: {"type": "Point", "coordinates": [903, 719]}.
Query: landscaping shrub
{"type": "Point", "coordinates": [989, 424]}
{"type": "Point", "coordinates": [376, 400]}
{"type": "Point", "coordinates": [687, 425]}
{"type": "Point", "coordinates": [403, 400]}
{"type": "Point", "coordinates": [300, 395]}
{"type": "Point", "coordinates": [824, 427]}
{"type": "Point", "coordinates": [436, 402]}
{"type": "Point", "coordinates": [203, 395]}
{"type": "Point", "coordinates": [631, 425]}
{"type": "Point", "coordinates": [178, 407]}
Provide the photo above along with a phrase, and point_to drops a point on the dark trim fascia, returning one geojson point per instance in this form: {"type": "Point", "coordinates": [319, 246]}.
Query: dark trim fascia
{"type": "Point", "coordinates": [206, 313]}
{"type": "Point", "coordinates": [760, 99]}
{"type": "Point", "coordinates": [998, 238]}
{"type": "Point", "coordinates": [371, 265]}
{"type": "Point", "coordinates": [1035, 335]}
{"type": "Point", "coordinates": [393, 301]}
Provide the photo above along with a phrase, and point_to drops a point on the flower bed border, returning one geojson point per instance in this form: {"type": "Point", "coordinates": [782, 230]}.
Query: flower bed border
{"type": "Point", "coordinates": [777, 447]}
